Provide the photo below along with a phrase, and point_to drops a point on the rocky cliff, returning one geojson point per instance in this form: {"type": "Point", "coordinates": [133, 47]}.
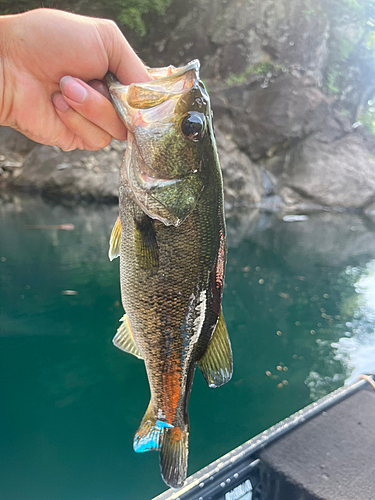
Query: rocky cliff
{"type": "Point", "coordinates": [283, 143]}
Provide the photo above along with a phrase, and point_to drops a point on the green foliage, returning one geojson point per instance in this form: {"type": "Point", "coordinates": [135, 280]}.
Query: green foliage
{"type": "Point", "coordinates": [127, 13]}
{"type": "Point", "coordinates": [367, 117]}
{"type": "Point", "coordinates": [331, 79]}
{"type": "Point", "coordinates": [353, 4]}
{"type": "Point", "coordinates": [350, 71]}
{"type": "Point", "coordinates": [252, 69]}
{"type": "Point", "coordinates": [130, 12]}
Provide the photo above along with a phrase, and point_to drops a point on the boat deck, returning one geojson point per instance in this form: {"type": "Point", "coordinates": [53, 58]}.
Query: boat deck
{"type": "Point", "coordinates": [324, 452]}
{"type": "Point", "coordinates": [330, 457]}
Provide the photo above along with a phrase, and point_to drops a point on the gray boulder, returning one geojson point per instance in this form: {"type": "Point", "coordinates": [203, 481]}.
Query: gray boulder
{"type": "Point", "coordinates": [230, 37]}
{"type": "Point", "coordinates": [335, 174]}
{"type": "Point", "coordinates": [241, 177]}
{"type": "Point", "coordinates": [13, 142]}
{"type": "Point", "coordinates": [263, 121]}
{"type": "Point", "coordinates": [75, 174]}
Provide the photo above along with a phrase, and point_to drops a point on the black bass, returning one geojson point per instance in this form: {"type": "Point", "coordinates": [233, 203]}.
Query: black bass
{"type": "Point", "coordinates": [170, 237]}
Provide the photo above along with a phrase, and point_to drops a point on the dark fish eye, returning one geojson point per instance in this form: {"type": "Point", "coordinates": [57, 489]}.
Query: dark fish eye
{"type": "Point", "coordinates": [193, 126]}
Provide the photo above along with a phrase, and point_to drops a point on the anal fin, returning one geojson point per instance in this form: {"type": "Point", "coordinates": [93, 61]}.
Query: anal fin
{"type": "Point", "coordinates": [150, 434]}
{"type": "Point", "coordinates": [216, 364]}
{"type": "Point", "coordinates": [115, 240]}
{"type": "Point", "coordinates": [124, 339]}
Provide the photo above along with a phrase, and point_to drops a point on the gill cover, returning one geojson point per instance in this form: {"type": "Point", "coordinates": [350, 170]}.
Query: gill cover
{"type": "Point", "coordinates": [169, 127]}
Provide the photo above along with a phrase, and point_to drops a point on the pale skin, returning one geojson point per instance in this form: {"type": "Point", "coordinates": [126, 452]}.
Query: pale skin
{"type": "Point", "coordinates": [52, 64]}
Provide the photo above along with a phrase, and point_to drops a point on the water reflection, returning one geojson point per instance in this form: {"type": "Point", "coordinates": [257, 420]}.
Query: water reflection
{"type": "Point", "coordinates": [356, 350]}
{"type": "Point", "coordinates": [299, 307]}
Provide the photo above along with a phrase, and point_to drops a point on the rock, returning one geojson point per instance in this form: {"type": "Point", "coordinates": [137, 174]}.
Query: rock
{"type": "Point", "coordinates": [230, 37]}
{"type": "Point", "coordinates": [265, 120]}
{"type": "Point", "coordinates": [76, 174]}
{"type": "Point", "coordinates": [13, 142]}
{"type": "Point", "coordinates": [242, 179]}
{"type": "Point", "coordinates": [336, 174]}
{"type": "Point", "coordinates": [13, 148]}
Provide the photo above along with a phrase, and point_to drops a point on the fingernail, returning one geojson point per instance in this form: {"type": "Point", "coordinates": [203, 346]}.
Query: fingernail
{"type": "Point", "coordinates": [60, 103]}
{"type": "Point", "coordinates": [73, 89]}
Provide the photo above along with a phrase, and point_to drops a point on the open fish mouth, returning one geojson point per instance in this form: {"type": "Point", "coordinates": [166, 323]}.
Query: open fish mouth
{"type": "Point", "coordinates": [168, 83]}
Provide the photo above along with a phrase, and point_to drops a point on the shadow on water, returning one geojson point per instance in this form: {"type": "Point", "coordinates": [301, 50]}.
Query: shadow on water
{"type": "Point", "coordinates": [299, 307]}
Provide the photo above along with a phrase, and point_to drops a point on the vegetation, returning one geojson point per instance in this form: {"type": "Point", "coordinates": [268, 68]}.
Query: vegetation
{"type": "Point", "coordinates": [252, 69]}
{"type": "Point", "coordinates": [350, 73]}
{"type": "Point", "coordinates": [127, 13]}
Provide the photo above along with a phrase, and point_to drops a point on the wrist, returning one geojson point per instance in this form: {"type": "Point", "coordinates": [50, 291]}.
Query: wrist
{"type": "Point", "coordinates": [5, 70]}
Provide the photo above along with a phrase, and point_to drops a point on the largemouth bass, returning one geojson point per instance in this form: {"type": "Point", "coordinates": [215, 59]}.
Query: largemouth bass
{"type": "Point", "coordinates": [170, 237]}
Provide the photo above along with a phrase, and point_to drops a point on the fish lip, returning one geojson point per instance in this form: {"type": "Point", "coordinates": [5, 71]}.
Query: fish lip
{"type": "Point", "coordinates": [194, 64]}
{"type": "Point", "coordinates": [111, 79]}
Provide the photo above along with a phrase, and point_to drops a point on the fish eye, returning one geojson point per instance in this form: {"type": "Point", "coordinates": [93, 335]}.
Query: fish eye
{"type": "Point", "coordinates": [193, 126]}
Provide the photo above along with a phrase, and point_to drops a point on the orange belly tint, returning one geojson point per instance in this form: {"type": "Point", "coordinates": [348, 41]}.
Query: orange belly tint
{"type": "Point", "coordinates": [172, 390]}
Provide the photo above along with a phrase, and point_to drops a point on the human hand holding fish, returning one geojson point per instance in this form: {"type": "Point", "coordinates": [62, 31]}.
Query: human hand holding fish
{"type": "Point", "coordinates": [170, 234]}
{"type": "Point", "coordinates": [51, 68]}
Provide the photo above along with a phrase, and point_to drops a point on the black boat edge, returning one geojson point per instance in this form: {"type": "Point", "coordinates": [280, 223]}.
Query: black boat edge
{"type": "Point", "coordinates": [231, 470]}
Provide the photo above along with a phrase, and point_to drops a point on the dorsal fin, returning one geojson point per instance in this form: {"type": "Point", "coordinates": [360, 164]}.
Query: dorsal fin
{"type": "Point", "coordinates": [124, 339]}
{"type": "Point", "coordinates": [115, 240]}
{"type": "Point", "coordinates": [216, 364]}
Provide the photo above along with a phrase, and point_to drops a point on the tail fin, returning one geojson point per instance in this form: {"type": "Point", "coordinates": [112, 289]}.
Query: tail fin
{"type": "Point", "coordinates": [174, 456]}
{"type": "Point", "coordinates": [149, 436]}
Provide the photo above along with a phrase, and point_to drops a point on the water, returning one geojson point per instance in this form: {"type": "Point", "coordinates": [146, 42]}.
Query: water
{"type": "Point", "coordinates": [299, 308]}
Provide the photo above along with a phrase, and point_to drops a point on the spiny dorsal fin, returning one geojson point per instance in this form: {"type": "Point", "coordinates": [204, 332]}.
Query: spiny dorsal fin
{"type": "Point", "coordinates": [216, 364]}
{"type": "Point", "coordinates": [124, 339]}
{"type": "Point", "coordinates": [115, 240]}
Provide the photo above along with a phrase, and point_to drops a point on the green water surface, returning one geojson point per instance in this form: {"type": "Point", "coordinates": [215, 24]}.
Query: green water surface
{"type": "Point", "coordinates": [70, 401]}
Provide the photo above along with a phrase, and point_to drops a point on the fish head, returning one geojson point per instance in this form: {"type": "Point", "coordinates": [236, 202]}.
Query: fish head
{"type": "Point", "coordinates": [170, 140]}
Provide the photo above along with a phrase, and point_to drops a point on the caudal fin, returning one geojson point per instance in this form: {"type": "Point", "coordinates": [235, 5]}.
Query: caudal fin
{"type": "Point", "coordinates": [172, 442]}
{"type": "Point", "coordinates": [174, 456]}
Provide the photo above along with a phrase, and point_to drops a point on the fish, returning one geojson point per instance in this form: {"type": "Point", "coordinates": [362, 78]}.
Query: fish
{"type": "Point", "coordinates": [171, 240]}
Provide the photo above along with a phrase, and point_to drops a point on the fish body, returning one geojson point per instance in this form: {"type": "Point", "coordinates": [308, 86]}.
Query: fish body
{"type": "Point", "coordinates": [172, 245]}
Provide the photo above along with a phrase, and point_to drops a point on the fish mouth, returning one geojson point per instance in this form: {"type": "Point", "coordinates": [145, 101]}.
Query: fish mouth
{"type": "Point", "coordinates": [162, 77]}
{"type": "Point", "coordinates": [167, 83]}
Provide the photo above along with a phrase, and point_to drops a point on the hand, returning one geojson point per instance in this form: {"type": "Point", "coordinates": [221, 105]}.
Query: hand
{"type": "Point", "coordinates": [38, 50]}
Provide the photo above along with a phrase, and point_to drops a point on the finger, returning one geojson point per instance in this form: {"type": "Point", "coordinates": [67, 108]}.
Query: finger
{"type": "Point", "coordinates": [122, 60]}
{"type": "Point", "coordinates": [100, 87]}
{"type": "Point", "coordinates": [85, 134]}
{"type": "Point", "coordinates": [93, 106]}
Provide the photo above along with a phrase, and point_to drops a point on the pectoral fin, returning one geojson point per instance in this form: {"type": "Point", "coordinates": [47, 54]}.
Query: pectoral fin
{"type": "Point", "coordinates": [145, 242]}
{"type": "Point", "coordinates": [115, 241]}
{"type": "Point", "coordinates": [124, 339]}
{"type": "Point", "coordinates": [216, 364]}
{"type": "Point", "coordinates": [179, 198]}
